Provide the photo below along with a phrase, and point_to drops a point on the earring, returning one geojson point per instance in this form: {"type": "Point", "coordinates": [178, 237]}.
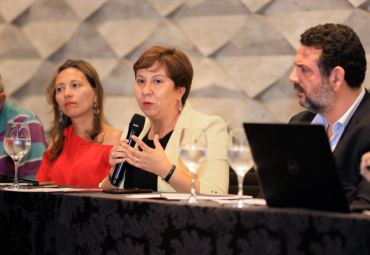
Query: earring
{"type": "Point", "coordinates": [180, 107]}
{"type": "Point", "coordinates": [60, 116]}
{"type": "Point", "coordinates": [96, 110]}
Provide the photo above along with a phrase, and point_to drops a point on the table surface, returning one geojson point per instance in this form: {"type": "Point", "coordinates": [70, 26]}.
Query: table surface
{"type": "Point", "coordinates": [101, 223]}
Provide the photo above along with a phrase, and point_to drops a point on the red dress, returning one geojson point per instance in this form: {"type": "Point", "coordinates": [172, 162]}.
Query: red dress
{"type": "Point", "coordinates": [81, 163]}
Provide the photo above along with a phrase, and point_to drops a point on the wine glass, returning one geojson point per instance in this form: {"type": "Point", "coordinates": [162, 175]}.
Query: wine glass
{"type": "Point", "coordinates": [193, 152]}
{"type": "Point", "coordinates": [240, 159]}
{"type": "Point", "coordinates": [17, 143]}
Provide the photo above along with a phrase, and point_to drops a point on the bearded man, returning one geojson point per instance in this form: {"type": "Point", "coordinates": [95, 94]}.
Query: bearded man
{"type": "Point", "coordinates": [330, 68]}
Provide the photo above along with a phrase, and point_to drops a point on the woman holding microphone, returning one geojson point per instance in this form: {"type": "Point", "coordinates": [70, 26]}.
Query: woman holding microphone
{"type": "Point", "coordinates": [163, 78]}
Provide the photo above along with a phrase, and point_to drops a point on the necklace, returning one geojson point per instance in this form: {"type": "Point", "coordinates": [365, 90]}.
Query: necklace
{"type": "Point", "coordinates": [165, 132]}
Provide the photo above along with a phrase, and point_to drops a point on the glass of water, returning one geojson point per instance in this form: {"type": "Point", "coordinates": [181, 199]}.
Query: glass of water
{"type": "Point", "coordinates": [240, 159]}
{"type": "Point", "coordinates": [17, 143]}
{"type": "Point", "coordinates": [193, 152]}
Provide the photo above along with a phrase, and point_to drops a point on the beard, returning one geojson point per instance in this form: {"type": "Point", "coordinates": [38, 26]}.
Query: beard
{"type": "Point", "coordinates": [321, 99]}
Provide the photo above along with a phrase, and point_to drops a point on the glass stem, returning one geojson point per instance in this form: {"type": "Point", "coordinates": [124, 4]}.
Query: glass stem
{"type": "Point", "coordinates": [240, 185]}
{"type": "Point", "coordinates": [192, 184]}
{"type": "Point", "coordinates": [16, 163]}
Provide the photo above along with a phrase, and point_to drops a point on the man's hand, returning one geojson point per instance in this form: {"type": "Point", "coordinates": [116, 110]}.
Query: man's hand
{"type": "Point", "coordinates": [365, 166]}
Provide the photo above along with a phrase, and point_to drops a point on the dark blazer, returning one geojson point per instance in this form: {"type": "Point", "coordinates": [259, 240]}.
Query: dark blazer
{"type": "Point", "coordinates": [354, 142]}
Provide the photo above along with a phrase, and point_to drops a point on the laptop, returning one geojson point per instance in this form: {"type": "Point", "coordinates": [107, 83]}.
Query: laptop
{"type": "Point", "coordinates": [296, 167]}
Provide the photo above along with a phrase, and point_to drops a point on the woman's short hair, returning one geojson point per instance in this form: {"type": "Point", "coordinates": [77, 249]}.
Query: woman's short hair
{"type": "Point", "coordinates": [176, 63]}
{"type": "Point", "coordinates": [56, 133]}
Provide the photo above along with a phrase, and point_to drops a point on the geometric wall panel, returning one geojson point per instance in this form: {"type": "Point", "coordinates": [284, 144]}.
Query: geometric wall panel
{"type": "Point", "coordinates": [13, 44]}
{"type": "Point", "coordinates": [10, 10]}
{"type": "Point", "coordinates": [125, 35]}
{"type": "Point", "coordinates": [286, 6]}
{"type": "Point", "coordinates": [215, 32]}
{"type": "Point", "coordinates": [84, 8]}
{"type": "Point", "coordinates": [165, 7]}
{"type": "Point", "coordinates": [167, 34]}
{"type": "Point", "coordinates": [360, 22]}
{"type": "Point", "coordinates": [39, 105]}
{"type": "Point", "coordinates": [208, 72]}
{"type": "Point", "coordinates": [84, 43]}
{"type": "Point", "coordinates": [281, 99]}
{"type": "Point", "coordinates": [256, 5]}
{"type": "Point", "coordinates": [121, 80]}
{"type": "Point", "coordinates": [254, 74]}
{"type": "Point", "coordinates": [357, 3]}
{"type": "Point", "coordinates": [38, 84]}
{"type": "Point", "coordinates": [118, 111]}
{"type": "Point", "coordinates": [16, 72]}
{"type": "Point", "coordinates": [197, 8]}
{"type": "Point", "coordinates": [123, 9]}
{"type": "Point", "coordinates": [303, 20]}
{"type": "Point", "coordinates": [216, 91]}
{"type": "Point", "coordinates": [49, 11]}
{"type": "Point", "coordinates": [220, 20]}
{"type": "Point", "coordinates": [103, 66]}
{"type": "Point", "coordinates": [2, 27]}
{"type": "Point", "coordinates": [365, 6]}
{"type": "Point", "coordinates": [49, 37]}
{"type": "Point", "coordinates": [256, 37]}
{"type": "Point", "coordinates": [234, 111]}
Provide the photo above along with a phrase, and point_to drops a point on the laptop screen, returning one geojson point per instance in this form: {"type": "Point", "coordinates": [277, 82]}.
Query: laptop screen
{"type": "Point", "coordinates": [296, 167]}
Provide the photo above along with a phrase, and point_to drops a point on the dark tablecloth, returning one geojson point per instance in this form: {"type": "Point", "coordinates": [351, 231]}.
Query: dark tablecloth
{"type": "Point", "coordinates": [99, 223]}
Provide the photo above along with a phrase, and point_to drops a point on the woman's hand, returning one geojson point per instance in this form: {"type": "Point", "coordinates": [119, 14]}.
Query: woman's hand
{"type": "Point", "coordinates": [117, 154]}
{"type": "Point", "coordinates": [151, 160]}
{"type": "Point", "coordinates": [154, 161]}
{"type": "Point", "coordinates": [365, 162]}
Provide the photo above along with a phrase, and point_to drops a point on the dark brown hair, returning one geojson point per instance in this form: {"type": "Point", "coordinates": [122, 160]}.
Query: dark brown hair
{"type": "Point", "coordinates": [340, 47]}
{"type": "Point", "coordinates": [176, 63]}
{"type": "Point", "coordinates": [56, 133]}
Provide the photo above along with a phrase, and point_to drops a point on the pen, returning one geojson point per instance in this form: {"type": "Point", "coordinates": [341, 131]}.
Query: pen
{"type": "Point", "coordinates": [49, 186]}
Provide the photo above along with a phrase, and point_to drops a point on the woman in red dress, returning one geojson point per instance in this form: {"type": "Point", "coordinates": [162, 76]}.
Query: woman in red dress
{"type": "Point", "coordinates": [78, 153]}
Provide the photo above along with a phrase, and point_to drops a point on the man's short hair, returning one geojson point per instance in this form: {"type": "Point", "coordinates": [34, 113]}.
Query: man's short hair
{"type": "Point", "coordinates": [340, 47]}
{"type": "Point", "coordinates": [1, 84]}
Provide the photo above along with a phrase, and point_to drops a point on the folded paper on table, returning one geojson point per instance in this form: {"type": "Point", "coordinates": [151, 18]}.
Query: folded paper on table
{"type": "Point", "coordinates": [69, 190]}
{"type": "Point", "coordinates": [8, 184]}
{"type": "Point", "coordinates": [39, 190]}
{"type": "Point", "coordinates": [180, 196]}
{"type": "Point", "coordinates": [85, 190]}
{"type": "Point", "coordinates": [151, 195]}
{"type": "Point", "coordinates": [252, 201]}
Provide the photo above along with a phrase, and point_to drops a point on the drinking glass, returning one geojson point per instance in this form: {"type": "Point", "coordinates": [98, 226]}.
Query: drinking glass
{"type": "Point", "coordinates": [17, 143]}
{"type": "Point", "coordinates": [240, 159]}
{"type": "Point", "coordinates": [193, 152]}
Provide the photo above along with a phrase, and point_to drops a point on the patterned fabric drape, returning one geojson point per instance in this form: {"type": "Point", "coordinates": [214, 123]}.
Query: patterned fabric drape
{"type": "Point", "coordinates": [98, 223]}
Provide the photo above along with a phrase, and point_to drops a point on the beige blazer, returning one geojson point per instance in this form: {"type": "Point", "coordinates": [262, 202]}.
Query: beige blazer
{"type": "Point", "coordinates": [213, 174]}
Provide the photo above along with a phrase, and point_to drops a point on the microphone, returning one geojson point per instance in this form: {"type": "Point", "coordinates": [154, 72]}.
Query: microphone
{"type": "Point", "coordinates": [135, 128]}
